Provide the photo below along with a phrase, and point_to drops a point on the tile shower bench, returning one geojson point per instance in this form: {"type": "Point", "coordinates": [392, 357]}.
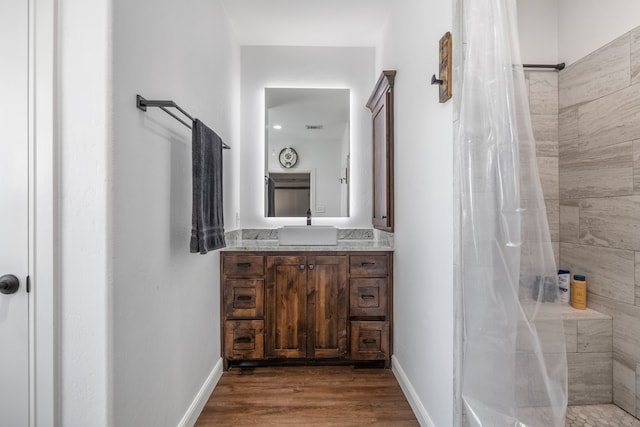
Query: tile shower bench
{"type": "Point", "coordinates": [589, 340]}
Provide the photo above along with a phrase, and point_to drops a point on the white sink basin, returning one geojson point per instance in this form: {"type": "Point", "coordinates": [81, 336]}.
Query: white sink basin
{"type": "Point", "coordinates": [308, 235]}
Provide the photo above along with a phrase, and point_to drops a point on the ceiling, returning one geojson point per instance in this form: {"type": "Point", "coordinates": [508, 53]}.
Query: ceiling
{"type": "Point", "coordinates": [295, 108]}
{"type": "Point", "coordinates": [307, 22]}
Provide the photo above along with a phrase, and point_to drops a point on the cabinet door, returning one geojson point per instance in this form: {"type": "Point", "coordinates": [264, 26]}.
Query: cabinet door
{"type": "Point", "coordinates": [286, 307]}
{"type": "Point", "coordinates": [327, 306]}
{"type": "Point", "coordinates": [244, 298]}
{"type": "Point", "coordinates": [368, 297]}
{"type": "Point", "coordinates": [243, 265]}
{"type": "Point", "coordinates": [370, 340]}
{"type": "Point", "coordinates": [243, 339]}
{"type": "Point", "coordinates": [381, 105]}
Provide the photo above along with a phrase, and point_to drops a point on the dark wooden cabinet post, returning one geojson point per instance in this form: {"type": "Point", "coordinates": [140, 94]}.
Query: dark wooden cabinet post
{"type": "Point", "coordinates": [381, 105]}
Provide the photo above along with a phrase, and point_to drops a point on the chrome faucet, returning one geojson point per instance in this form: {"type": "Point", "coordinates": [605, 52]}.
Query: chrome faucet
{"type": "Point", "coordinates": [309, 216]}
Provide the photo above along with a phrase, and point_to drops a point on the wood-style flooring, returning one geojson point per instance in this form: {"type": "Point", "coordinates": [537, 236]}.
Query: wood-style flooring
{"type": "Point", "coordinates": [307, 396]}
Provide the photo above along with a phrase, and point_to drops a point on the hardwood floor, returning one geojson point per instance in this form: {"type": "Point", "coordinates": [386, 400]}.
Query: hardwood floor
{"type": "Point", "coordinates": [307, 396]}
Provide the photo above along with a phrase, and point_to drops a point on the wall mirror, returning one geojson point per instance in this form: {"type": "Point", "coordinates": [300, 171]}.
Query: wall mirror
{"type": "Point", "coordinates": [306, 152]}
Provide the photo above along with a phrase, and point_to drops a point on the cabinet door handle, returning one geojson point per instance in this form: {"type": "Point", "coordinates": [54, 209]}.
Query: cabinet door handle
{"type": "Point", "coordinates": [369, 341]}
{"type": "Point", "coordinates": [244, 264]}
{"type": "Point", "coordinates": [243, 340]}
{"type": "Point", "coordinates": [243, 298]}
{"type": "Point", "coordinates": [311, 266]}
{"type": "Point", "coordinates": [302, 266]}
{"type": "Point", "coordinates": [367, 297]}
{"type": "Point", "coordinates": [366, 264]}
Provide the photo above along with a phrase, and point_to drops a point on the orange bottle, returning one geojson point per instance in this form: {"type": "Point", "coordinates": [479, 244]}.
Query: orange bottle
{"type": "Point", "coordinates": [579, 292]}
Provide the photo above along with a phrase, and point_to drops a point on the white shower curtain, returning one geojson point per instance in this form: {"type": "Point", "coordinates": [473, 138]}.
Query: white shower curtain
{"type": "Point", "coordinates": [514, 369]}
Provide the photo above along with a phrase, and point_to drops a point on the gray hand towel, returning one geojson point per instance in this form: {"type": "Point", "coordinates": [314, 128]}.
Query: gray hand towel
{"type": "Point", "coordinates": [207, 220]}
{"type": "Point", "coordinates": [271, 197]}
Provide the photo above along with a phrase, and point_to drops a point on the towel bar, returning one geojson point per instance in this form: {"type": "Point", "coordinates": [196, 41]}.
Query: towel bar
{"type": "Point", "coordinates": [142, 104]}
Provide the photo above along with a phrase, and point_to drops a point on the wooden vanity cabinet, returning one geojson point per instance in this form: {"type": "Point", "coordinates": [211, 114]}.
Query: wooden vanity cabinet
{"type": "Point", "coordinates": [306, 306]}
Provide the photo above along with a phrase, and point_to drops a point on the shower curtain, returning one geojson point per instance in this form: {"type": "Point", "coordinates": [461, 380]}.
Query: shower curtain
{"type": "Point", "coordinates": [514, 369]}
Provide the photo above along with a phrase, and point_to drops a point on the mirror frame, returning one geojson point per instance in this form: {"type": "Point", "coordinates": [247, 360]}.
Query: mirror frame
{"type": "Point", "coordinates": [344, 164]}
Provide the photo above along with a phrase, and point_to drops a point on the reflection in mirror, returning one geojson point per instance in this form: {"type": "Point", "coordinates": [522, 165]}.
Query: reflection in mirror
{"type": "Point", "coordinates": [307, 152]}
{"type": "Point", "coordinates": [290, 194]}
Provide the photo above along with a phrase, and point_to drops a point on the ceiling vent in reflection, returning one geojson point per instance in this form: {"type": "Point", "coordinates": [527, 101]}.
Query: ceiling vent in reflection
{"type": "Point", "coordinates": [314, 127]}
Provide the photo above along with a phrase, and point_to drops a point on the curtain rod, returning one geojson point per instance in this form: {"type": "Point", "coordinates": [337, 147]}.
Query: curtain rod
{"type": "Point", "coordinates": [557, 67]}
{"type": "Point", "coordinates": [142, 104]}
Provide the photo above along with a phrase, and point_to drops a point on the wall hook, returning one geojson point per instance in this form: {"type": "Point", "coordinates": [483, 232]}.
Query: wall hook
{"type": "Point", "coordinates": [436, 81]}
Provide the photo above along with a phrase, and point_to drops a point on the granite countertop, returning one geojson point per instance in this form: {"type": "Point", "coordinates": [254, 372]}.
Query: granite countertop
{"type": "Point", "coordinates": [348, 240]}
{"type": "Point", "coordinates": [343, 245]}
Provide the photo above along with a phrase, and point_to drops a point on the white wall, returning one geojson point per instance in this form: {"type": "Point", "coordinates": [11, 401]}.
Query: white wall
{"type": "Point", "coordinates": [166, 333]}
{"type": "Point", "coordinates": [554, 31]}
{"type": "Point", "coordinates": [423, 278]}
{"type": "Point", "coordinates": [84, 247]}
{"type": "Point", "coordinates": [305, 67]}
{"type": "Point", "coordinates": [587, 25]}
{"type": "Point", "coordinates": [538, 24]}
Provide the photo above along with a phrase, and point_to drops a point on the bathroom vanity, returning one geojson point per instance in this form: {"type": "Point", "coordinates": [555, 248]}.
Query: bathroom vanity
{"type": "Point", "coordinates": [306, 305]}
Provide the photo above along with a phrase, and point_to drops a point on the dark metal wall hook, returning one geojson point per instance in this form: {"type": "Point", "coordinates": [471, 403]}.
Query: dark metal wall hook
{"type": "Point", "coordinates": [436, 81]}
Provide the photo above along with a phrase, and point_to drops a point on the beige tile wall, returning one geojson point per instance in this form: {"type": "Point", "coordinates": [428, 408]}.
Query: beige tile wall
{"type": "Point", "coordinates": [599, 192]}
{"type": "Point", "coordinates": [589, 339]}
{"type": "Point", "coordinates": [543, 103]}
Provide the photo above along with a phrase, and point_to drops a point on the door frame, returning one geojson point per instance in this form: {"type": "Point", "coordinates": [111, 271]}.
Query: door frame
{"type": "Point", "coordinates": [43, 246]}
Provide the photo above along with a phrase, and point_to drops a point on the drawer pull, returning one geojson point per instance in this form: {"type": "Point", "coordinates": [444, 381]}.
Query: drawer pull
{"type": "Point", "coordinates": [311, 266]}
{"type": "Point", "coordinates": [302, 266]}
{"type": "Point", "coordinates": [366, 264]}
{"type": "Point", "coordinates": [243, 340]}
{"type": "Point", "coordinates": [369, 341]}
{"type": "Point", "coordinates": [244, 264]}
{"type": "Point", "coordinates": [367, 297]}
{"type": "Point", "coordinates": [243, 298]}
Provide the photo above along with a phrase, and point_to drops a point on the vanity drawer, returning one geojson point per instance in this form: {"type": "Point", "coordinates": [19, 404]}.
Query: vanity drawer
{"type": "Point", "coordinates": [369, 265]}
{"type": "Point", "coordinates": [244, 339]}
{"type": "Point", "coordinates": [369, 340]}
{"type": "Point", "coordinates": [368, 296]}
{"type": "Point", "coordinates": [243, 265]}
{"type": "Point", "coordinates": [244, 298]}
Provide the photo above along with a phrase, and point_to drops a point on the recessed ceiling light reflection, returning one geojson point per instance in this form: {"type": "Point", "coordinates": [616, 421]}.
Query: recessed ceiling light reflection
{"type": "Point", "coordinates": [277, 127]}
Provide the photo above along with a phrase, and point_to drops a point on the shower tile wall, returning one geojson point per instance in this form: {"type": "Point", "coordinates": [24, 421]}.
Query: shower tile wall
{"type": "Point", "coordinates": [543, 103]}
{"type": "Point", "coordinates": [599, 192]}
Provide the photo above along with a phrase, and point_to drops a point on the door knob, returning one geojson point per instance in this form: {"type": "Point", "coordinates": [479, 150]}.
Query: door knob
{"type": "Point", "coordinates": [9, 284]}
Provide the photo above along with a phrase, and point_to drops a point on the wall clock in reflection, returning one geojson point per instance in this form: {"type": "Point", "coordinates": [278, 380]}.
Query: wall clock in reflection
{"type": "Point", "coordinates": [288, 157]}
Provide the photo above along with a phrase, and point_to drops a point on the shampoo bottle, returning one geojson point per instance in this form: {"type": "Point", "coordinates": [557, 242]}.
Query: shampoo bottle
{"type": "Point", "coordinates": [564, 286]}
{"type": "Point", "coordinates": [579, 292]}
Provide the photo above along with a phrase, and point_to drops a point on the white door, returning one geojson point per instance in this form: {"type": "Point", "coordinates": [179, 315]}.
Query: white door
{"type": "Point", "coordinates": [14, 213]}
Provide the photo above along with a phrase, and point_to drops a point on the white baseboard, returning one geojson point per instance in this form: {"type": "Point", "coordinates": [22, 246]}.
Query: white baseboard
{"type": "Point", "coordinates": [193, 412]}
{"type": "Point", "coordinates": [410, 393]}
